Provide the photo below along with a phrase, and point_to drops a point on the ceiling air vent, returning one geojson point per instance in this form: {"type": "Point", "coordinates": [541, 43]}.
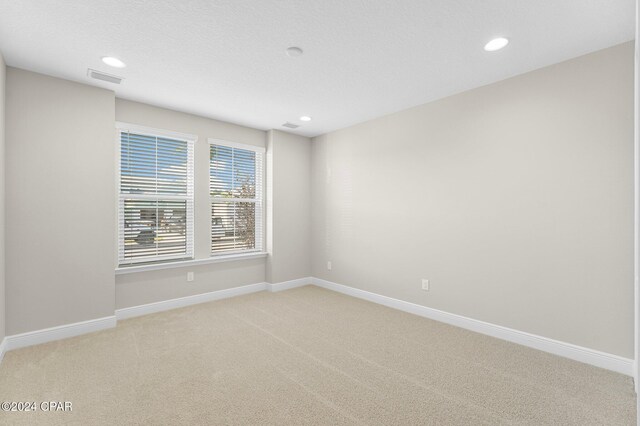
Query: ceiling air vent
{"type": "Point", "coordinates": [99, 75]}
{"type": "Point", "coordinates": [290, 125]}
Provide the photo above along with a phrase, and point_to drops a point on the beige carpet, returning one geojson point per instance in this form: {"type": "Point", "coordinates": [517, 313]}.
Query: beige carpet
{"type": "Point", "coordinates": [305, 356]}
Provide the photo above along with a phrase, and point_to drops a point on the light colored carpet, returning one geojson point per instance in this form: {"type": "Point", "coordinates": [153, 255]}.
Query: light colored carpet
{"type": "Point", "coordinates": [305, 356]}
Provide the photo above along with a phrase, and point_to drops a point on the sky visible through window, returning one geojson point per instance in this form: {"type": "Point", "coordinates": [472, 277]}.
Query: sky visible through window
{"type": "Point", "coordinates": [151, 165]}
{"type": "Point", "coordinates": [232, 172]}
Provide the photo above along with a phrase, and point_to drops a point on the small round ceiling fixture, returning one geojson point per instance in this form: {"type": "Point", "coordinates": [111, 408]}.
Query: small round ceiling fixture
{"type": "Point", "coordinates": [496, 44]}
{"type": "Point", "coordinates": [113, 62]}
{"type": "Point", "coordinates": [305, 118]}
{"type": "Point", "coordinates": [294, 51]}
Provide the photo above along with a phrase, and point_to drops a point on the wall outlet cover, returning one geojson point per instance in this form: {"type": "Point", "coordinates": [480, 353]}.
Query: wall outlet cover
{"type": "Point", "coordinates": [425, 284]}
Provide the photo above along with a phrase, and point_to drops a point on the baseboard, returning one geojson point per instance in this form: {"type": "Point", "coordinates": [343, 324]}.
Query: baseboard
{"type": "Point", "coordinates": [45, 335]}
{"type": "Point", "coordinates": [286, 285]}
{"type": "Point", "coordinates": [165, 305]}
{"type": "Point", "coordinates": [578, 353]}
{"type": "Point", "coordinates": [71, 330]}
{"type": "Point", "coordinates": [3, 348]}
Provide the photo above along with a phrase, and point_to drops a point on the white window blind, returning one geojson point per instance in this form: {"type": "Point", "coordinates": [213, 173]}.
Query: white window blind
{"type": "Point", "coordinates": [155, 206]}
{"type": "Point", "coordinates": [236, 190]}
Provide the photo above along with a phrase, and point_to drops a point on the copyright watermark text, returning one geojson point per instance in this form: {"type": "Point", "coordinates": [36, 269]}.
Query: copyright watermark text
{"type": "Point", "coordinates": [25, 406]}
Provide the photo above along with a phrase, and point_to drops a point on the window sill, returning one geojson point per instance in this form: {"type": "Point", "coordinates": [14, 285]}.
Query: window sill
{"type": "Point", "coordinates": [186, 263]}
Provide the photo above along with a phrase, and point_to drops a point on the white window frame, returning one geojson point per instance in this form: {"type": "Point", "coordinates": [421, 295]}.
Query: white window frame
{"type": "Point", "coordinates": [122, 127]}
{"type": "Point", "coordinates": [260, 196]}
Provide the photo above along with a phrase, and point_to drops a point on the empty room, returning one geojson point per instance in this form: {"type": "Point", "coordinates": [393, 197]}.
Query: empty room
{"type": "Point", "coordinates": [297, 212]}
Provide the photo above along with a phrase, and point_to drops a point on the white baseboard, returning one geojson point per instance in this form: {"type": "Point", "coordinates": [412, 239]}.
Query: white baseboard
{"type": "Point", "coordinates": [3, 348]}
{"type": "Point", "coordinates": [165, 305]}
{"type": "Point", "coordinates": [286, 285]}
{"type": "Point", "coordinates": [71, 330]}
{"type": "Point", "coordinates": [578, 353]}
{"type": "Point", "coordinates": [45, 335]}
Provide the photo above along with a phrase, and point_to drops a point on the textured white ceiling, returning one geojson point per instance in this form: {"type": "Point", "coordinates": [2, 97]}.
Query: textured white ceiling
{"type": "Point", "coordinates": [363, 58]}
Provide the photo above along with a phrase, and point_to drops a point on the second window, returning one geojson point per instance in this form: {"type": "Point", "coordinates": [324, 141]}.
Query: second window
{"type": "Point", "coordinates": [235, 189]}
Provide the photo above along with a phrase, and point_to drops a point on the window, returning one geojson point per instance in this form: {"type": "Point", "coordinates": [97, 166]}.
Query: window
{"type": "Point", "coordinates": [155, 205]}
{"type": "Point", "coordinates": [236, 191]}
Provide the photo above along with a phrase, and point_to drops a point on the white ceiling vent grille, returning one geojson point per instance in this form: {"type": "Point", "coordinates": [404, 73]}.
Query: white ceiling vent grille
{"type": "Point", "coordinates": [290, 125]}
{"type": "Point", "coordinates": [99, 75]}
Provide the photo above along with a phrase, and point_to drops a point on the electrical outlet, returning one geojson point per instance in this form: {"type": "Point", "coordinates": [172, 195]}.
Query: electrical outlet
{"type": "Point", "coordinates": [425, 284]}
{"type": "Point", "coordinates": [189, 276]}
{"type": "Point", "coordinates": [329, 265]}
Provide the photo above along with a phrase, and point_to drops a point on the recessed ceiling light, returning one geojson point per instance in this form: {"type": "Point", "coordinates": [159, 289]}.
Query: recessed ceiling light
{"type": "Point", "coordinates": [113, 62]}
{"type": "Point", "coordinates": [496, 44]}
{"type": "Point", "coordinates": [305, 118]}
{"type": "Point", "coordinates": [294, 51]}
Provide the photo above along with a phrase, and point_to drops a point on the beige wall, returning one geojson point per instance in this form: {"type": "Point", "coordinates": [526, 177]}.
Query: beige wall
{"type": "Point", "coordinates": [141, 288]}
{"type": "Point", "coordinates": [288, 206]}
{"type": "Point", "coordinates": [60, 216]}
{"type": "Point", "coordinates": [153, 286]}
{"type": "Point", "coordinates": [3, 72]}
{"type": "Point", "coordinates": [514, 199]}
